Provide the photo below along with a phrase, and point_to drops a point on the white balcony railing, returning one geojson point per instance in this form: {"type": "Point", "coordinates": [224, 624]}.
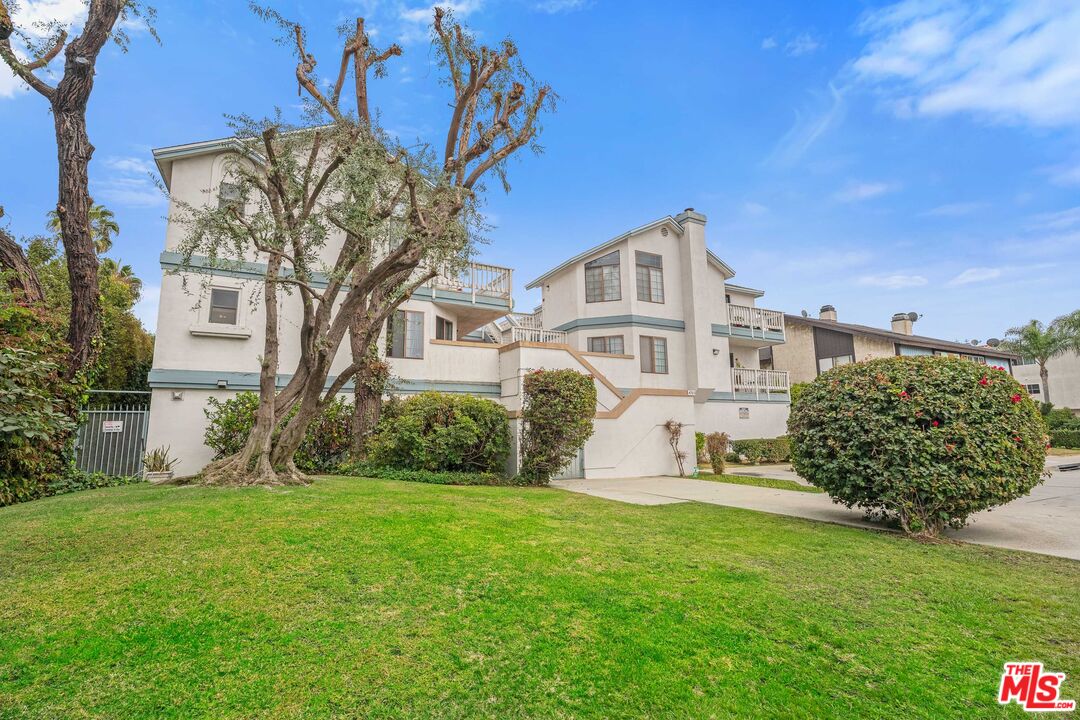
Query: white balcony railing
{"type": "Point", "coordinates": [537, 335]}
{"type": "Point", "coordinates": [759, 382]}
{"type": "Point", "coordinates": [533, 321]}
{"type": "Point", "coordinates": [757, 320]}
{"type": "Point", "coordinates": [477, 279]}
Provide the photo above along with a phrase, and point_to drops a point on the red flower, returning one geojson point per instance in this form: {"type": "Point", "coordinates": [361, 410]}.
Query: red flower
{"type": "Point", "coordinates": [903, 394]}
{"type": "Point", "coordinates": [1017, 438]}
{"type": "Point", "coordinates": [1016, 398]}
{"type": "Point", "coordinates": [984, 381]}
{"type": "Point", "coordinates": [935, 423]}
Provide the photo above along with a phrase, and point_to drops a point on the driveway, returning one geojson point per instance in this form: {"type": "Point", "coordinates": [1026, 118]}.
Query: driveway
{"type": "Point", "coordinates": [1046, 521]}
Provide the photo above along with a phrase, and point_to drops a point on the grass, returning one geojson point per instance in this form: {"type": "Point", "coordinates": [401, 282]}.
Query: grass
{"type": "Point", "coordinates": [1062, 451]}
{"type": "Point", "coordinates": [380, 599]}
{"type": "Point", "coordinates": [760, 482]}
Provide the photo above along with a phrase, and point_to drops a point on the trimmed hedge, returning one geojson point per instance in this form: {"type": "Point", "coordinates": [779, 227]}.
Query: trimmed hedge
{"type": "Point", "coordinates": [758, 450]}
{"type": "Point", "coordinates": [556, 421]}
{"type": "Point", "coordinates": [423, 476]}
{"type": "Point", "coordinates": [439, 432]}
{"type": "Point", "coordinates": [925, 440]}
{"type": "Point", "coordinates": [1065, 439]}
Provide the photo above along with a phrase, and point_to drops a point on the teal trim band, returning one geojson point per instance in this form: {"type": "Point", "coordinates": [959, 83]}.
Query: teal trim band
{"type": "Point", "coordinates": [174, 261]}
{"type": "Point", "coordinates": [623, 321]}
{"type": "Point", "coordinates": [745, 332]}
{"type": "Point", "coordinates": [210, 379]}
{"type": "Point", "coordinates": [721, 396]}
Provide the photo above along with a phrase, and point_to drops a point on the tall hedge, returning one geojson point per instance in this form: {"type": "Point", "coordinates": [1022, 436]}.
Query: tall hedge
{"type": "Point", "coordinates": [442, 432]}
{"type": "Point", "coordinates": [926, 440]}
{"type": "Point", "coordinates": [556, 420]}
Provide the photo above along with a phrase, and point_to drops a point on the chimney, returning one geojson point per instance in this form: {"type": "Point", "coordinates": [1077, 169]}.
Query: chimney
{"type": "Point", "coordinates": [827, 312]}
{"type": "Point", "coordinates": [901, 323]}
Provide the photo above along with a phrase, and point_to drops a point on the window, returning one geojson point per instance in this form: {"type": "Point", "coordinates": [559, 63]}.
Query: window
{"type": "Point", "coordinates": [831, 362]}
{"type": "Point", "coordinates": [405, 334]}
{"type": "Point", "coordinates": [444, 329]}
{"type": "Point", "coordinates": [653, 355]}
{"type": "Point", "coordinates": [602, 281]}
{"type": "Point", "coordinates": [1033, 389]}
{"type": "Point", "coordinates": [230, 195]}
{"type": "Point", "coordinates": [650, 277]}
{"type": "Point", "coordinates": [224, 305]}
{"type": "Point", "coordinates": [727, 298]}
{"type": "Point", "coordinates": [610, 344]}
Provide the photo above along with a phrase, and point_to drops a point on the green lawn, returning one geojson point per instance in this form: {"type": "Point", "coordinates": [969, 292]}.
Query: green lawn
{"type": "Point", "coordinates": [760, 482]}
{"type": "Point", "coordinates": [362, 598]}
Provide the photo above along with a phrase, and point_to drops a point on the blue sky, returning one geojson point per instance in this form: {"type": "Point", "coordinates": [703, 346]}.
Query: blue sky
{"type": "Point", "coordinates": [880, 157]}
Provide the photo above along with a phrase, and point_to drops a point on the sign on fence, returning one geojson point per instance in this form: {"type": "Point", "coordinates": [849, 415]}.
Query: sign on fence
{"type": "Point", "coordinates": [112, 440]}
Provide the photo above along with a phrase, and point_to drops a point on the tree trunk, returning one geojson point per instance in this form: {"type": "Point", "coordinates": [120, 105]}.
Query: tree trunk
{"type": "Point", "coordinates": [23, 280]}
{"type": "Point", "coordinates": [73, 207]}
{"type": "Point", "coordinates": [367, 408]}
{"type": "Point", "coordinates": [1044, 376]}
{"type": "Point", "coordinates": [369, 383]}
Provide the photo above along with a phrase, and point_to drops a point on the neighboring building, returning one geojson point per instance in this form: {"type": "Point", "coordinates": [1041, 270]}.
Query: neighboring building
{"type": "Point", "coordinates": [1063, 373]}
{"type": "Point", "coordinates": [650, 314]}
{"type": "Point", "coordinates": [815, 345]}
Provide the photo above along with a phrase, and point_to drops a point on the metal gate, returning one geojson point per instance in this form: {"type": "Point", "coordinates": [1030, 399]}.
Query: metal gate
{"type": "Point", "coordinates": [112, 440]}
{"type": "Point", "coordinates": [573, 469]}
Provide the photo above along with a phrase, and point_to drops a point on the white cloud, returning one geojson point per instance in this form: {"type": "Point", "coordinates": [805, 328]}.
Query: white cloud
{"type": "Point", "coordinates": [858, 191]}
{"type": "Point", "coordinates": [802, 44]}
{"type": "Point", "coordinates": [807, 128]}
{"type": "Point", "coordinates": [893, 281]}
{"type": "Point", "coordinates": [129, 183]}
{"type": "Point", "coordinates": [974, 275]}
{"type": "Point", "coordinates": [417, 20]}
{"type": "Point", "coordinates": [1060, 220]}
{"type": "Point", "coordinates": [768, 43]}
{"type": "Point", "coordinates": [34, 17]}
{"type": "Point", "coordinates": [754, 208]}
{"type": "Point", "coordinates": [147, 307]}
{"type": "Point", "coordinates": [1064, 174]}
{"type": "Point", "coordinates": [1015, 62]}
{"type": "Point", "coordinates": [955, 209]}
{"type": "Point", "coordinates": [558, 6]}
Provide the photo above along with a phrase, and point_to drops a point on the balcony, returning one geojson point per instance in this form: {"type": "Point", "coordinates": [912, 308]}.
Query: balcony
{"type": "Point", "coordinates": [537, 335]}
{"type": "Point", "coordinates": [762, 384]}
{"type": "Point", "coordinates": [476, 281]}
{"type": "Point", "coordinates": [753, 323]}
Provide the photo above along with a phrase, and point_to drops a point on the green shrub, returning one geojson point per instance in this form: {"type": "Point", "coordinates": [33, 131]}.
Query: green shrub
{"type": "Point", "coordinates": [925, 440]}
{"type": "Point", "coordinates": [1065, 439]}
{"type": "Point", "coordinates": [717, 444]}
{"type": "Point", "coordinates": [76, 481]}
{"type": "Point", "coordinates": [443, 477]}
{"type": "Point", "coordinates": [759, 450]}
{"type": "Point", "coordinates": [796, 391]}
{"type": "Point", "coordinates": [699, 448]}
{"type": "Point", "coordinates": [324, 445]}
{"type": "Point", "coordinates": [438, 431]}
{"type": "Point", "coordinates": [556, 421]}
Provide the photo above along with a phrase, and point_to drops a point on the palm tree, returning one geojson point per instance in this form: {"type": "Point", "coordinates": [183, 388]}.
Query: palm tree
{"type": "Point", "coordinates": [123, 274]}
{"type": "Point", "coordinates": [1040, 343]}
{"type": "Point", "coordinates": [102, 226]}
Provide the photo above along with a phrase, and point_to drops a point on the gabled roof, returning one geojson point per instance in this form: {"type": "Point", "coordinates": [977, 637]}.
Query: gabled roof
{"type": "Point", "coordinates": [913, 340]}
{"type": "Point", "coordinates": [667, 220]}
{"type": "Point", "coordinates": [744, 289]}
{"type": "Point", "coordinates": [165, 156]}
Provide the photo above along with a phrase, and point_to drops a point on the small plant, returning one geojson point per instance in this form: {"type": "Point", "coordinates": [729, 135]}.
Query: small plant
{"type": "Point", "coordinates": [674, 429]}
{"type": "Point", "coordinates": [158, 460]}
{"type": "Point", "coordinates": [699, 448]}
{"type": "Point", "coordinates": [717, 446]}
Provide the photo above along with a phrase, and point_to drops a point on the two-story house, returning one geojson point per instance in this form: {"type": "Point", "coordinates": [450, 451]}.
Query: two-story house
{"type": "Point", "coordinates": [649, 314]}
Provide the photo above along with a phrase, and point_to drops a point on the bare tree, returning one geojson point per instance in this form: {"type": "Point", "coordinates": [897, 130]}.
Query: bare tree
{"type": "Point", "coordinates": [68, 100]}
{"type": "Point", "coordinates": [401, 215]}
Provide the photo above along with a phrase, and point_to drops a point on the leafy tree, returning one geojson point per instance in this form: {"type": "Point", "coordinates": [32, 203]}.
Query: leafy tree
{"type": "Point", "coordinates": [388, 217]}
{"type": "Point", "coordinates": [556, 421]}
{"type": "Point", "coordinates": [1042, 343]}
{"type": "Point", "coordinates": [103, 226]}
{"type": "Point", "coordinates": [68, 100]}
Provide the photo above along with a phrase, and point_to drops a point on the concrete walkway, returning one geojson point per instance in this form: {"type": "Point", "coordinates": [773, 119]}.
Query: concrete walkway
{"type": "Point", "coordinates": [1046, 521]}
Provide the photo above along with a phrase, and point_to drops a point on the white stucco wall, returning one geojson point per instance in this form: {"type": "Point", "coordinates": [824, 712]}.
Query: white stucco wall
{"type": "Point", "coordinates": [1064, 376]}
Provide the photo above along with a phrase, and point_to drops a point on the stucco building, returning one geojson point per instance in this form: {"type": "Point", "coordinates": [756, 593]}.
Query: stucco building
{"type": "Point", "coordinates": [1063, 374]}
{"type": "Point", "coordinates": [651, 314]}
{"type": "Point", "coordinates": [814, 345]}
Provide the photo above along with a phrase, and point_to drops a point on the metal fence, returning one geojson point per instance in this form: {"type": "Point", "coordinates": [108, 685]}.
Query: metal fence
{"type": "Point", "coordinates": [112, 439]}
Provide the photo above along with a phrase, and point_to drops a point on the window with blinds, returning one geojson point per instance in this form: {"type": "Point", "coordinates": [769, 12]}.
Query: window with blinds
{"type": "Point", "coordinates": [224, 305]}
{"type": "Point", "coordinates": [650, 277]}
{"type": "Point", "coordinates": [602, 282]}
{"type": "Point", "coordinates": [405, 334]}
{"type": "Point", "coordinates": [609, 344]}
{"type": "Point", "coordinates": [654, 357]}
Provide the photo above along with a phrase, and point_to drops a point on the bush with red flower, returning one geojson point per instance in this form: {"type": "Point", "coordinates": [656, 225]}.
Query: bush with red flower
{"type": "Point", "coordinates": [926, 441]}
